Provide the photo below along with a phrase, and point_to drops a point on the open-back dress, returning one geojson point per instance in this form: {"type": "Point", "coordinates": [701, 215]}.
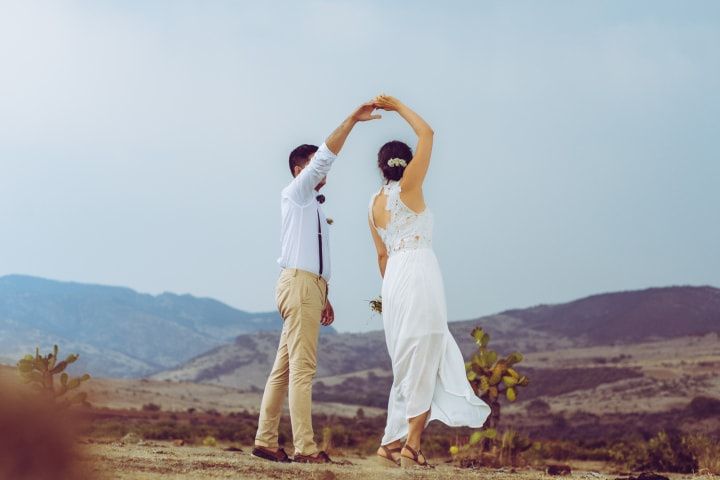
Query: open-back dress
{"type": "Point", "coordinates": [428, 367]}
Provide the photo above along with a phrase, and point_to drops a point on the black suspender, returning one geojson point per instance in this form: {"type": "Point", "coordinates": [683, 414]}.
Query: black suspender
{"type": "Point", "coordinates": [320, 253]}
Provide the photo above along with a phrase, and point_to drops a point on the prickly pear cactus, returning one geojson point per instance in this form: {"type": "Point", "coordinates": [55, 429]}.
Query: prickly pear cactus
{"type": "Point", "coordinates": [40, 371]}
{"type": "Point", "coordinates": [492, 377]}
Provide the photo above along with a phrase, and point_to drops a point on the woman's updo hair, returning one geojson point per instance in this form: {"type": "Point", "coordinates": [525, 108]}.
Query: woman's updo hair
{"type": "Point", "coordinates": [392, 150]}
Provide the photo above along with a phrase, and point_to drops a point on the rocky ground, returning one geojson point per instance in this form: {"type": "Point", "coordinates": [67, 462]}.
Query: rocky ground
{"type": "Point", "coordinates": [166, 461]}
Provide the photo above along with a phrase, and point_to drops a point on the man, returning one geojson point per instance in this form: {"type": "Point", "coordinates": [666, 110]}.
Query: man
{"type": "Point", "coordinates": [301, 295]}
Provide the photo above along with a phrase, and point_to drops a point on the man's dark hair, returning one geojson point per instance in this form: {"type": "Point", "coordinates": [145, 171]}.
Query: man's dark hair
{"type": "Point", "coordinates": [300, 156]}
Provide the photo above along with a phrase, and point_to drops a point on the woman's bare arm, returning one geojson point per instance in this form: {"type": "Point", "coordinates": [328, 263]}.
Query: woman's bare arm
{"type": "Point", "coordinates": [415, 173]}
{"type": "Point", "coordinates": [380, 247]}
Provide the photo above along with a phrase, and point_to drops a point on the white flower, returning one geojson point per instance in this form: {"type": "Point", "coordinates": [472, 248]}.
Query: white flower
{"type": "Point", "coordinates": [397, 162]}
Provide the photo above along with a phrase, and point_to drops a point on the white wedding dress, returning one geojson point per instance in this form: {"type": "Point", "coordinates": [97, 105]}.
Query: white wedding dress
{"type": "Point", "coordinates": [428, 368]}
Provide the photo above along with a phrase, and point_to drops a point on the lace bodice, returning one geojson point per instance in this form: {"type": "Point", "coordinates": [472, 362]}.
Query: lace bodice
{"type": "Point", "coordinates": [406, 229]}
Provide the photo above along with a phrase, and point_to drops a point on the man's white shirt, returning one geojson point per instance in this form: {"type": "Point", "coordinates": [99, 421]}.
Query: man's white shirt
{"type": "Point", "coordinates": [299, 208]}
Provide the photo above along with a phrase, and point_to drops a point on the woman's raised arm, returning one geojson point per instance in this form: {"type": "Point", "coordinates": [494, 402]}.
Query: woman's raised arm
{"type": "Point", "coordinates": [414, 174]}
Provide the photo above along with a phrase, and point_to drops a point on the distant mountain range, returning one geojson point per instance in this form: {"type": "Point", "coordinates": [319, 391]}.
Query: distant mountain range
{"type": "Point", "coordinates": [117, 331]}
{"type": "Point", "coordinates": [121, 333]}
{"type": "Point", "coordinates": [606, 319]}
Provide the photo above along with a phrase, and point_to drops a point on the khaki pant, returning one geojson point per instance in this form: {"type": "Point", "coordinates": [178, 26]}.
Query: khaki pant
{"type": "Point", "coordinates": [301, 299]}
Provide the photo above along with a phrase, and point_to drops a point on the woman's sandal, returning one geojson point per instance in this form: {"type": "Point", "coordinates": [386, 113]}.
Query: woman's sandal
{"type": "Point", "coordinates": [387, 459]}
{"type": "Point", "coordinates": [407, 462]}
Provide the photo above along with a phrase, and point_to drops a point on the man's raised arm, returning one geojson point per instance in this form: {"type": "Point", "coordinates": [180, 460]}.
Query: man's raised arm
{"type": "Point", "coordinates": [337, 138]}
{"type": "Point", "coordinates": [303, 186]}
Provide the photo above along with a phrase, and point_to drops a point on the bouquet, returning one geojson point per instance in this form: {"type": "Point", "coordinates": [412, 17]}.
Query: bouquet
{"type": "Point", "coordinates": [376, 304]}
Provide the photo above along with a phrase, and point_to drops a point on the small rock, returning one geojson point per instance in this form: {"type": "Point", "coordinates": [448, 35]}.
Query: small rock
{"type": "Point", "coordinates": [233, 449]}
{"type": "Point", "coordinates": [558, 469]}
{"type": "Point", "coordinates": [645, 476]}
{"type": "Point", "coordinates": [179, 442]}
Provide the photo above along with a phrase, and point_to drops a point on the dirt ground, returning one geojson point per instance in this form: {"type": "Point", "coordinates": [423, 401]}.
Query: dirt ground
{"type": "Point", "coordinates": [163, 460]}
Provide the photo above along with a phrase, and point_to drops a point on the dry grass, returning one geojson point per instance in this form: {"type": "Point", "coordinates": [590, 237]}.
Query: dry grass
{"type": "Point", "coordinates": [122, 394]}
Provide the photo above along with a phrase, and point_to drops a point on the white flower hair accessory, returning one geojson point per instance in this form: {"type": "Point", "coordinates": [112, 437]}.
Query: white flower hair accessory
{"type": "Point", "coordinates": [397, 162]}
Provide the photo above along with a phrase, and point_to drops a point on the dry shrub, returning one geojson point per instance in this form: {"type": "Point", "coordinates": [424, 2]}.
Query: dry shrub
{"type": "Point", "coordinates": [707, 452]}
{"type": "Point", "coordinates": [666, 452]}
{"type": "Point", "coordinates": [36, 438]}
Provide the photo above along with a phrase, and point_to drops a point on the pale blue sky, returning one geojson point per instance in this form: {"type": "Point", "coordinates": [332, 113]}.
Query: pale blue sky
{"type": "Point", "coordinates": [577, 150]}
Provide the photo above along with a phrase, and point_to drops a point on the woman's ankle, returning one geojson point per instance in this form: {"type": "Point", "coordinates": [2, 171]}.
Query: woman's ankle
{"type": "Point", "coordinates": [391, 445]}
{"type": "Point", "coordinates": [414, 444]}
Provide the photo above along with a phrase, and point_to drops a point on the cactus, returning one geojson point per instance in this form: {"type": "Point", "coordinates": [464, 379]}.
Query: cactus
{"type": "Point", "coordinates": [512, 444]}
{"type": "Point", "coordinates": [510, 394]}
{"type": "Point", "coordinates": [476, 437]}
{"type": "Point", "coordinates": [39, 371]}
{"type": "Point", "coordinates": [492, 377]}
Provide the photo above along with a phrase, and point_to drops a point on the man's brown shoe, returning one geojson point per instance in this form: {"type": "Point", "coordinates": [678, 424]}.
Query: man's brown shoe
{"type": "Point", "coordinates": [320, 457]}
{"type": "Point", "coordinates": [273, 456]}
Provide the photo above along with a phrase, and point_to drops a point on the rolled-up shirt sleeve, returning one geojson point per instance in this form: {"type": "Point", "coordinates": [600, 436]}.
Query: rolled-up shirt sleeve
{"type": "Point", "coordinates": [301, 190]}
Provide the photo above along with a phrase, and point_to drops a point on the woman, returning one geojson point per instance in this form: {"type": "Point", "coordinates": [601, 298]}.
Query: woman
{"type": "Point", "coordinates": [428, 369]}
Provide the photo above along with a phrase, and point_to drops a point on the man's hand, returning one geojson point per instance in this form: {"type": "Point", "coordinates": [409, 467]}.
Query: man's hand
{"type": "Point", "coordinates": [386, 102]}
{"type": "Point", "coordinates": [328, 314]}
{"type": "Point", "coordinates": [337, 138]}
{"type": "Point", "coordinates": [365, 112]}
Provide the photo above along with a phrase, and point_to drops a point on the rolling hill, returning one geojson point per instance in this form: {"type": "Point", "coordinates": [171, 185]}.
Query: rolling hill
{"type": "Point", "coordinates": [610, 319]}
{"type": "Point", "coordinates": [654, 313]}
{"type": "Point", "coordinates": [117, 331]}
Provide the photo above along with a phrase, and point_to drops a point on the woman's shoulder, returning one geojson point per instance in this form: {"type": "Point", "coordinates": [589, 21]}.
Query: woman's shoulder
{"type": "Point", "coordinates": [413, 199]}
